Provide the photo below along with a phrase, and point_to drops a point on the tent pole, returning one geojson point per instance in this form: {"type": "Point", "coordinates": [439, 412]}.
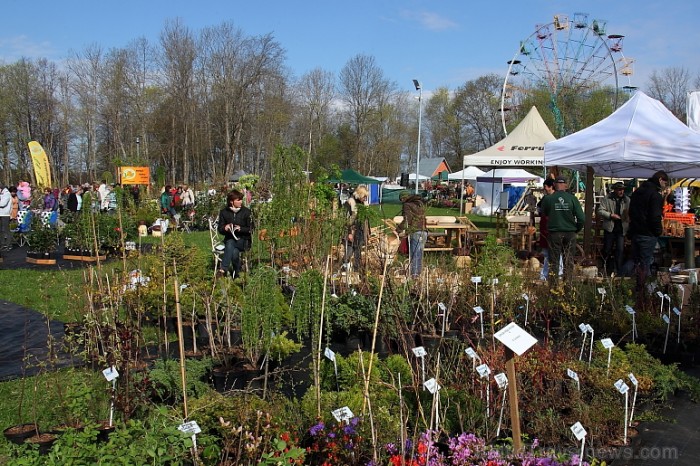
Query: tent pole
{"type": "Point", "coordinates": [588, 224]}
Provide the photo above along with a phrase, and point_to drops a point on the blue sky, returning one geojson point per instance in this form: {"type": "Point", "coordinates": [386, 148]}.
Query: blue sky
{"type": "Point", "coordinates": [442, 43]}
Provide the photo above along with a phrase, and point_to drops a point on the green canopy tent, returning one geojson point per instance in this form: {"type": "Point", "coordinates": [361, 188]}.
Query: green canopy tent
{"type": "Point", "coordinates": [350, 176]}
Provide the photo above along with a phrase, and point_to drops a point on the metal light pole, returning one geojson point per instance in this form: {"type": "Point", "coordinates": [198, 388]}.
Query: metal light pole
{"type": "Point", "coordinates": [419, 88]}
{"type": "Point", "coordinates": [138, 154]}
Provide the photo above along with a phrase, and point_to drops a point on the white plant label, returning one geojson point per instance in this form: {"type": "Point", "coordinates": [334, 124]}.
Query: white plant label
{"type": "Point", "coordinates": [501, 380]}
{"type": "Point", "coordinates": [633, 379]}
{"type": "Point", "coordinates": [621, 386]}
{"type": "Point", "coordinates": [190, 427]}
{"type": "Point", "coordinates": [660, 294]}
{"type": "Point", "coordinates": [578, 431]}
{"type": "Point", "coordinates": [572, 374]}
{"type": "Point", "coordinates": [676, 311]}
{"type": "Point", "coordinates": [515, 338]}
{"type": "Point", "coordinates": [601, 291]}
{"type": "Point", "coordinates": [483, 370]}
{"type": "Point", "coordinates": [476, 279]}
{"type": "Point", "coordinates": [342, 414]}
{"type": "Point", "coordinates": [494, 281]}
{"type": "Point", "coordinates": [478, 309]}
{"type": "Point", "coordinates": [432, 386]}
{"type": "Point", "coordinates": [526, 297]}
{"type": "Point", "coordinates": [471, 353]}
{"type": "Point", "coordinates": [666, 319]}
{"type": "Point", "coordinates": [589, 328]}
{"type": "Point", "coordinates": [583, 328]}
{"type": "Point", "coordinates": [329, 354]}
{"type": "Point", "coordinates": [110, 373]}
{"type": "Point", "coordinates": [442, 307]}
{"type": "Point", "coordinates": [419, 351]}
{"type": "Point", "coordinates": [607, 343]}
{"type": "Point", "coordinates": [630, 310]}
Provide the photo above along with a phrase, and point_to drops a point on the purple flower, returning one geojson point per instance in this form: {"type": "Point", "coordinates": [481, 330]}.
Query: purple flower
{"type": "Point", "coordinates": [317, 429]}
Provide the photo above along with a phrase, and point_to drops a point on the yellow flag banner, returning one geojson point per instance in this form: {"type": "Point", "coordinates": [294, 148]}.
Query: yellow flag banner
{"type": "Point", "coordinates": [40, 162]}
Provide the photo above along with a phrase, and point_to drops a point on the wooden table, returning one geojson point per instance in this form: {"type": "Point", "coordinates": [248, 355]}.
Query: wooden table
{"type": "Point", "coordinates": [445, 231]}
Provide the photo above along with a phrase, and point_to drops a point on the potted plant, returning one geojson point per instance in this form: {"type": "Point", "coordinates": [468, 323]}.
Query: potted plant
{"type": "Point", "coordinates": [42, 243]}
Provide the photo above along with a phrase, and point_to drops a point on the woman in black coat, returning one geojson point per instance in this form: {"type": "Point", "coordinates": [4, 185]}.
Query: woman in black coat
{"type": "Point", "coordinates": [235, 223]}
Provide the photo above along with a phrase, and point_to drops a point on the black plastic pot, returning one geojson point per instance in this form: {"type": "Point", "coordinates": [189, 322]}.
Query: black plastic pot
{"type": "Point", "coordinates": [44, 440]}
{"type": "Point", "coordinates": [19, 433]}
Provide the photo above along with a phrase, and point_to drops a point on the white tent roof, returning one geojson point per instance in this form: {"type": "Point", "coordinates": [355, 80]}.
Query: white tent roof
{"type": "Point", "coordinates": [638, 139]}
{"type": "Point", "coordinates": [508, 175]}
{"type": "Point", "coordinates": [412, 177]}
{"type": "Point", "coordinates": [523, 147]}
{"type": "Point", "coordinates": [469, 173]}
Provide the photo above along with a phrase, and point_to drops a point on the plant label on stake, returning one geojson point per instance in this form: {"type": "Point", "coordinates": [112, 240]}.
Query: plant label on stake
{"type": "Point", "coordinates": [584, 331]}
{"type": "Point", "coordinates": [111, 375]}
{"type": "Point", "coordinates": [624, 389]}
{"type": "Point", "coordinates": [608, 345]}
{"type": "Point", "coordinates": [472, 354]}
{"type": "Point", "coordinates": [420, 352]}
{"type": "Point", "coordinates": [484, 372]}
{"type": "Point", "coordinates": [432, 386]}
{"type": "Point", "coordinates": [502, 381]}
{"type": "Point", "coordinates": [634, 381]}
{"type": "Point", "coordinates": [574, 376]}
{"type": "Point", "coordinates": [442, 312]}
{"type": "Point", "coordinates": [476, 281]}
{"type": "Point", "coordinates": [480, 312]}
{"type": "Point", "coordinates": [668, 328]}
{"type": "Point", "coordinates": [342, 414]}
{"type": "Point", "coordinates": [190, 427]}
{"type": "Point", "coordinates": [678, 313]}
{"type": "Point", "coordinates": [631, 312]}
{"type": "Point", "coordinates": [527, 306]}
{"type": "Point", "coordinates": [517, 341]}
{"type": "Point", "coordinates": [668, 309]}
{"type": "Point", "coordinates": [328, 353]}
{"type": "Point", "coordinates": [590, 351]}
{"type": "Point", "coordinates": [580, 434]}
{"type": "Point", "coordinates": [661, 296]}
{"type": "Point", "coordinates": [601, 291]}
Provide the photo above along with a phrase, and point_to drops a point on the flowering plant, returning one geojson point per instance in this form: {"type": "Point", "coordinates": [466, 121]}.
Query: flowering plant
{"type": "Point", "coordinates": [336, 444]}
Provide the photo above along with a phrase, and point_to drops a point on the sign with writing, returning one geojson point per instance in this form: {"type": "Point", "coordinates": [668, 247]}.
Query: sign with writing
{"type": "Point", "coordinates": [501, 380]}
{"type": "Point", "coordinates": [578, 431]}
{"type": "Point", "coordinates": [442, 307]}
{"type": "Point", "coordinates": [660, 294]}
{"type": "Point", "coordinates": [110, 373]}
{"type": "Point", "coordinates": [629, 309]}
{"type": "Point", "coordinates": [329, 354]}
{"type": "Point", "coordinates": [583, 328]}
{"type": "Point", "coordinates": [476, 279]}
{"type": "Point", "coordinates": [419, 351]}
{"type": "Point", "coordinates": [471, 353]}
{"type": "Point", "coordinates": [515, 338]}
{"type": "Point", "coordinates": [432, 386]}
{"type": "Point", "coordinates": [601, 291]}
{"type": "Point", "coordinates": [633, 379]}
{"type": "Point", "coordinates": [342, 414]}
{"type": "Point", "coordinates": [589, 328]}
{"type": "Point", "coordinates": [607, 343]}
{"type": "Point", "coordinates": [135, 175]}
{"type": "Point", "coordinates": [666, 319]}
{"type": "Point", "coordinates": [190, 427]}
{"type": "Point", "coordinates": [621, 386]}
{"type": "Point", "coordinates": [478, 309]}
{"type": "Point", "coordinates": [676, 311]}
{"type": "Point", "coordinates": [572, 374]}
{"type": "Point", "coordinates": [494, 281]}
{"type": "Point", "coordinates": [483, 370]}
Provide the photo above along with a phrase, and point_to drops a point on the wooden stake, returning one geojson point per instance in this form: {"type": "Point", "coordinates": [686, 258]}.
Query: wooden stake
{"type": "Point", "coordinates": [513, 400]}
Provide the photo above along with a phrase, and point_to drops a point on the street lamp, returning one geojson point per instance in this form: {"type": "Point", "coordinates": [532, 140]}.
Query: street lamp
{"type": "Point", "coordinates": [138, 154]}
{"type": "Point", "coordinates": [419, 88]}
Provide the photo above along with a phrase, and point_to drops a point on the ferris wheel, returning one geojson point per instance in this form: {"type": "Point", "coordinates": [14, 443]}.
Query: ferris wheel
{"type": "Point", "coordinates": [570, 59]}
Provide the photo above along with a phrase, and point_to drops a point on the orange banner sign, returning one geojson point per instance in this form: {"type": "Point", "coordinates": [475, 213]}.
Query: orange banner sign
{"type": "Point", "coordinates": [134, 175]}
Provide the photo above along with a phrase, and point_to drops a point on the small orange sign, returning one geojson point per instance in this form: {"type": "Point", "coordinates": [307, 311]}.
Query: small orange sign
{"type": "Point", "coordinates": [134, 175]}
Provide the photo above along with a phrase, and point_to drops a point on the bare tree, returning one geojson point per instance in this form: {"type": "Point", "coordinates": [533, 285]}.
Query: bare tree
{"type": "Point", "coordinates": [671, 86]}
{"type": "Point", "coordinates": [316, 92]}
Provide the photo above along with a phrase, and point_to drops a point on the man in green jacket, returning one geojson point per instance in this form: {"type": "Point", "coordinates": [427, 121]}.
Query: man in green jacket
{"type": "Point", "coordinates": [566, 219]}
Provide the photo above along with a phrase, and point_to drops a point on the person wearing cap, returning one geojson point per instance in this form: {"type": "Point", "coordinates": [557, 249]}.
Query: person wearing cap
{"type": "Point", "coordinates": [565, 219]}
{"type": "Point", "coordinates": [645, 227]}
{"type": "Point", "coordinates": [614, 210]}
{"type": "Point", "coordinates": [5, 210]}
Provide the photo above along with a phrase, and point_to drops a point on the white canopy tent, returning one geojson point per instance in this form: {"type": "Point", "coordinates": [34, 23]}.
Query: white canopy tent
{"type": "Point", "coordinates": [523, 147]}
{"type": "Point", "coordinates": [469, 173]}
{"type": "Point", "coordinates": [638, 139]}
{"type": "Point", "coordinates": [494, 182]}
{"type": "Point", "coordinates": [412, 177]}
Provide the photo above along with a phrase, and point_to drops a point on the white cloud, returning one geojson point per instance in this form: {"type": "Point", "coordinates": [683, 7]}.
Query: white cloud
{"type": "Point", "coordinates": [16, 47]}
{"type": "Point", "coordinates": [429, 20]}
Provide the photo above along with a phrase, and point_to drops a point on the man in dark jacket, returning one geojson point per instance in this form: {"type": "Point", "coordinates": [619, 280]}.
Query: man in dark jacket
{"type": "Point", "coordinates": [565, 219]}
{"type": "Point", "coordinates": [646, 213]}
{"type": "Point", "coordinates": [413, 225]}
